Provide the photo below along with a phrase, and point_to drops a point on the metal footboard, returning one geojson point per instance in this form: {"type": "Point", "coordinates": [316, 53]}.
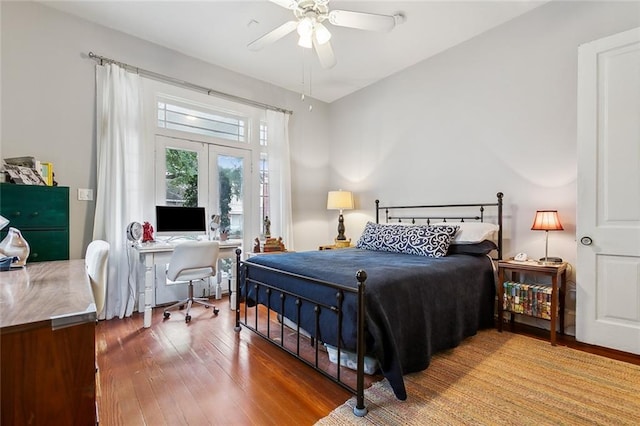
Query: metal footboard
{"type": "Point", "coordinates": [244, 281]}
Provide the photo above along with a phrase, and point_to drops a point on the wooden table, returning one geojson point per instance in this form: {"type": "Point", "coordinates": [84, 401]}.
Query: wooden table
{"type": "Point", "coordinates": [47, 345]}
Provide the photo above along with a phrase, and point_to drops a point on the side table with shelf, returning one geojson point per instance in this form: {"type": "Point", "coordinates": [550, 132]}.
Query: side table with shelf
{"type": "Point", "coordinates": [333, 247]}
{"type": "Point", "coordinates": [507, 271]}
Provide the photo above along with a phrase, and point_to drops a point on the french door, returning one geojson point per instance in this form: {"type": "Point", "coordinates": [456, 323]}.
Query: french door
{"type": "Point", "coordinates": [229, 190]}
{"type": "Point", "coordinates": [192, 173]}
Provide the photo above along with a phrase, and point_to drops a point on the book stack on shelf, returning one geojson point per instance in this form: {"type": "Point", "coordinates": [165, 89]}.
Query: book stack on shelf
{"type": "Point", "coordinates": [528, 299]}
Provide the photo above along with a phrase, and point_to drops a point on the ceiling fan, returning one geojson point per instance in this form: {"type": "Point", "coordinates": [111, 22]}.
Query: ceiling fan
{"type": "Point", "coordinates": [310, 15]}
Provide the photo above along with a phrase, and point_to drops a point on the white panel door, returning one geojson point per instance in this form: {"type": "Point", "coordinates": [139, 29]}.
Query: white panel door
{"type": "Point", "coordinates": [608, 218]}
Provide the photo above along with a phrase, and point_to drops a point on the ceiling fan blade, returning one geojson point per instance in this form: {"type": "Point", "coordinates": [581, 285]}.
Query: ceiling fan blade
{"type": "Point", "coordinates": [287, 4]}
{"type": "Point", "coordinates": [362, 21]}
{"type": "Point", "coordinates": [273, 36]}
{"type": "Point", "coordinates": [325, 54]}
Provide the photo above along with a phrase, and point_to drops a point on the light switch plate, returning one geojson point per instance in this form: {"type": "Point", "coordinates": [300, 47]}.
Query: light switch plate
{"type": "Point", "coordinates": [85, 194]}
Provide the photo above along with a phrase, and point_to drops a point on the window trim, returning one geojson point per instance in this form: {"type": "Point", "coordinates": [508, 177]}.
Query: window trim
{"type": "Point", "coordinates": [202, 109]}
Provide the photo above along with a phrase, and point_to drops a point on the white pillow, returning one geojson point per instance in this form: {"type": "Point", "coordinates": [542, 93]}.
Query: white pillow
{"type": "Point", "coordinates": [472, 232]}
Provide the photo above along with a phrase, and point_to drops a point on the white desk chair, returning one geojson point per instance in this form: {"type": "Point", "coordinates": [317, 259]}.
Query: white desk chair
{"type": "Point", "coordinates": [96, 261]}
{"type": "Point", "coordinates": [194, 260]}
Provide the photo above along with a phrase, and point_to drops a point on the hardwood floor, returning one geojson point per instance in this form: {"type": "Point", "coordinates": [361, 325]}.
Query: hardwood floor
{"type": "Point", "coordinates": [205, 373]}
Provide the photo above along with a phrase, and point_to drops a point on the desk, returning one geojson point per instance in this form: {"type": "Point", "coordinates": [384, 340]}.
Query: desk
{"type": "Point", "coordinates": [158, 253]}
{"type": "Point", "coordinates": [47, 345]}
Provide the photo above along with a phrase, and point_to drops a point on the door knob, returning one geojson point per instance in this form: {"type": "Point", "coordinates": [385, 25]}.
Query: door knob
{"type": "Point", "coordinates": [587, 241]}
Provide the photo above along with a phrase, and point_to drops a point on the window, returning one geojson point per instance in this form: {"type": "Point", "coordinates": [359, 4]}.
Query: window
{"type": "Point", "coordinates": [181, 172]}
{"type": "Point", "coordinates": [231, 170]}
{"type": "Point", "coordinates": [263, 134]}
{"type": "Point", "coordinates": [181, 177]}
{"type": "Point", "coordinates": [191, 120]}
{"type": "Point", "coordinates": [264, 178]}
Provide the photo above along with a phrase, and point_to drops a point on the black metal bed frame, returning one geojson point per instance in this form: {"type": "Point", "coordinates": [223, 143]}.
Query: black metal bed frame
{"type": "Point", "coordinates": [446, 216]}
{"type": "Point", "coordinates": [336, 309]}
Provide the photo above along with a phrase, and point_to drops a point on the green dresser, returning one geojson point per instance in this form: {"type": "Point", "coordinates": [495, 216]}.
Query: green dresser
{"type": "Point", "coordinates": [41, 213]}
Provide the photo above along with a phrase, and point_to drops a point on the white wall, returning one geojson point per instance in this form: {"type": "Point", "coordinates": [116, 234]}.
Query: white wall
{"type": "Point", "coordinates": [496, 113]}
{"type": "Point", "coordinates": [48, 108]}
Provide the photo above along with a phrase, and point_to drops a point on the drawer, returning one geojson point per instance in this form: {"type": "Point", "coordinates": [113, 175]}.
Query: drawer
{"type": "Point", "coordinates": [46, 245]}
{"type": "Point", "coordinates": [32, 206]}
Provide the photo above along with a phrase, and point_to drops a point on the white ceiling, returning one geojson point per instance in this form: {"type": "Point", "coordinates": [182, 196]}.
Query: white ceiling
{"type": "Point", "coordinates": [219, 31]}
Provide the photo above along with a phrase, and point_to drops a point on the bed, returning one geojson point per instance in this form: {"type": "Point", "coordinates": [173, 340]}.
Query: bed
{"type": "Point", "coordinates": [413, 286]}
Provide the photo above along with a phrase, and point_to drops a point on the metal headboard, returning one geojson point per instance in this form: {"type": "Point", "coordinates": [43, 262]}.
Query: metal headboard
{"type": "Point", "coordinates": [388, 210]}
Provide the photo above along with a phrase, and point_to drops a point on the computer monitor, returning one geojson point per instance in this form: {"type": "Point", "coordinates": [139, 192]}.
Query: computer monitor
{"type": "Point", "coordinates": [177, 221]}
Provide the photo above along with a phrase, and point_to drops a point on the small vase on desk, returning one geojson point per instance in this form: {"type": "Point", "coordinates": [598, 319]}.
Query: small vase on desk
{"type": "Point", "coordinates": [14, 244]}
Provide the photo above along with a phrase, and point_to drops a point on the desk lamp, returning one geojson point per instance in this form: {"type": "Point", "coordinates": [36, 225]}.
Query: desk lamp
{"type": "Point", "coordinates": [547, 220]}
{"type": "Point", "coordinates": [340, 200]}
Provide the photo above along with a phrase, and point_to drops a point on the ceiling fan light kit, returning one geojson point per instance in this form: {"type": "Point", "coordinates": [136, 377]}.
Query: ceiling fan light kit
{"type": "Point", "coordinates": [305, 41]}
{"type": "Point", "coordinates": [321, 33]}
{"type": "Point", "coordinates": [311, 14]}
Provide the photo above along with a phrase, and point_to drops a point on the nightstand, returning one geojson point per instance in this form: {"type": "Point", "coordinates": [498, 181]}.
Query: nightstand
{"type": "Point", "coordinates": [333, 247]}
{"type": "Point", "coordinates": [531, 299]}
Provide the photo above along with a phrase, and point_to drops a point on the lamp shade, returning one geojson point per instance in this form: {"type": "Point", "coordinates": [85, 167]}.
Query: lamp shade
{"type": "Point", "coordinates": [340, 200]}
{"type": "Point", "coordinates": [546, 220]}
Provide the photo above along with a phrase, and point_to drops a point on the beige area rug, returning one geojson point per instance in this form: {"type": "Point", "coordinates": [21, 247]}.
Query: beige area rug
{"type": "Point", "coordinates": [506, 379]}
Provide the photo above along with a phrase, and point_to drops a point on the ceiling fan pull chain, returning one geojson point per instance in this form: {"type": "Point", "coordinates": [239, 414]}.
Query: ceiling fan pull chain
{"type": "Point", "coordinates": [304, 64]}
{"type": "Point", "coordinates": [310, 94]}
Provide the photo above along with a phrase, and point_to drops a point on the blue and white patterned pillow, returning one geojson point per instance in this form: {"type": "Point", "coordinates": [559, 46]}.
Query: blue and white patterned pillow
{"type": "Point", "coordinates": [423, 240]}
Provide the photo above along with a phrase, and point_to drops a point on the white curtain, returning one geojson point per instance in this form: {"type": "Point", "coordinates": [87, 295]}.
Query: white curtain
{"type": "Point", "coordinates": [119, 130]}
{"type": "Point", "coordinates": [279, 165]}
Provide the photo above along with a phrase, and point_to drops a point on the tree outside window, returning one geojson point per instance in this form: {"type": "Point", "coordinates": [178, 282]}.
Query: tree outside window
{"type": "Point", "coordinates": [182, 177]}
{"type": "Point", "coordinates": [182, 184]}
{"type": "Point", "coordinates": [230, 186]}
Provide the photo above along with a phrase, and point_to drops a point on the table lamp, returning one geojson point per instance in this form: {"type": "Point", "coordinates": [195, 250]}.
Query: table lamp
{"type": "Point", "coordinates": [340, 200]}
{"type": "Point", "coordinates": [547, 220]}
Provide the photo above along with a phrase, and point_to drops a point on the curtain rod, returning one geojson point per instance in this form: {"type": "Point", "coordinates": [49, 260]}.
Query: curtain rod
{"type": "Point", "coordinates": [177, 82]}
